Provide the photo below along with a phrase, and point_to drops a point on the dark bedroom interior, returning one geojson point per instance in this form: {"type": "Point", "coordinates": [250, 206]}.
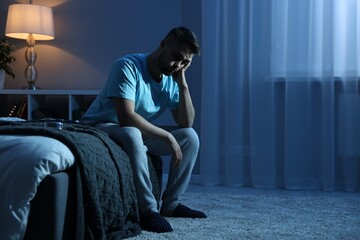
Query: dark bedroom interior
{"type": "Point", "coordinates": [276, 91]}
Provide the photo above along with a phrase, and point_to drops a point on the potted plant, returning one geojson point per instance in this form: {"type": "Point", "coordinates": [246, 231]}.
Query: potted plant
{"type": "Point", "coordinates": [6, 60]}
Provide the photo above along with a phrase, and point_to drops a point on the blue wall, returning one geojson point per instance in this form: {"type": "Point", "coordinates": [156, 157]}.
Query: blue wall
{"type": "Point", "coordinates": [90, 35]}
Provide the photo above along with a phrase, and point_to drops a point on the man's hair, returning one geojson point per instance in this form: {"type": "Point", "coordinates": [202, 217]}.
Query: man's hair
{"type": "Point", "coordinates": [183, 35]}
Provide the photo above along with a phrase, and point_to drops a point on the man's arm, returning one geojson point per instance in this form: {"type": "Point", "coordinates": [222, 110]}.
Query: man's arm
{"type": "Point", "coordinates": [185, 114]}
{"type": "Point", "coordinates": [127, 116]}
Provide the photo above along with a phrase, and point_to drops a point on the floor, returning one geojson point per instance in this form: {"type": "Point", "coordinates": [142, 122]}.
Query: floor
{"type": "Point", "coordinates": [247, 190]}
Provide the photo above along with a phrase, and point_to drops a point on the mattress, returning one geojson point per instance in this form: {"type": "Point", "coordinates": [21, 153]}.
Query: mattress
{"type": "Point", "coordinates": [25, 160]}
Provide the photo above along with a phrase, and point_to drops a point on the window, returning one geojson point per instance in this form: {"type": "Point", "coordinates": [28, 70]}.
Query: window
{"type": "Point", "coordinates": [315, 38]}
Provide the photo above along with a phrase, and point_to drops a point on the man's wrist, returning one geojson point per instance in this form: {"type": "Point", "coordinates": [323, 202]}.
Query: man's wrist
{"type": "Point", "coordinates": [183, 87]}
{"type": "Point", "coordinates": [182, 84]}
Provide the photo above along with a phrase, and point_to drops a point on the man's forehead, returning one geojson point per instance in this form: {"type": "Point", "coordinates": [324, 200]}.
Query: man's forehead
{"type": "Point", "coordinates": [183, 50]}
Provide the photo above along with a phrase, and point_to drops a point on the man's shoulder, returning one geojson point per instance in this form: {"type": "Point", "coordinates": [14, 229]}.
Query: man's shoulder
{"type": "Point", "coordinates": [133, 62]}
{"type": "Point", "coordinates": [135, 58]}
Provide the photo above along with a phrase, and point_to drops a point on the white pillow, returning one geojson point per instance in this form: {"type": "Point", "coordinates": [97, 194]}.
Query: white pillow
{"type": "Point", "coordinates": [24, 162]}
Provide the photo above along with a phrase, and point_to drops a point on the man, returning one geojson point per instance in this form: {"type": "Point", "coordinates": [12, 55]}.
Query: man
{"type": "Point", "coordinates": [139, 89]}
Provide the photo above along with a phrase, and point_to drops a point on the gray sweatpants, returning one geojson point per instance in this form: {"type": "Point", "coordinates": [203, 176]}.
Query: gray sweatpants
{"type": "Point", "coordinates": [136, 146]}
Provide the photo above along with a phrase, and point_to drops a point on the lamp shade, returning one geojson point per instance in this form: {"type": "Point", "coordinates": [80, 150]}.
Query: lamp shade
{"type": "Point", "coordinates": [23, 19]}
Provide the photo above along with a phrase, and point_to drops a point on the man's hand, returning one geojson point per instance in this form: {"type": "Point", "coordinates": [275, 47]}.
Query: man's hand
{"type": "Point", "coordinates": [177, 153]}
{"type": "Point", "coordinates": [179, 75]}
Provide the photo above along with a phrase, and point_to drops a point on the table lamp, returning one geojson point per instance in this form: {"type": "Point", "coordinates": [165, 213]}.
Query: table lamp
{"type": "Point", "coordinates": [31, 22]}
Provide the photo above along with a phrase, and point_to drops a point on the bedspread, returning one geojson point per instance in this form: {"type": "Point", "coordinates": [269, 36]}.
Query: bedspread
{"type": "Point", "coordinates": [107, 207]}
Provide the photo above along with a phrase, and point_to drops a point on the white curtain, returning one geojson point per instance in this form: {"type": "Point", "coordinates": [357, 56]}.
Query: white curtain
{"type": "Point", "coordinates": [280, 103]}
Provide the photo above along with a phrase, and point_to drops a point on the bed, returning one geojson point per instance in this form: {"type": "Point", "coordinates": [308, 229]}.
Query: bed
{"type": "Point", "coordinates": [69, 183]}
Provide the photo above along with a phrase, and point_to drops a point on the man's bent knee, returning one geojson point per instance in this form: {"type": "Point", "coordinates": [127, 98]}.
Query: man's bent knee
{"type": "Point", "coordinates": [188, 135]}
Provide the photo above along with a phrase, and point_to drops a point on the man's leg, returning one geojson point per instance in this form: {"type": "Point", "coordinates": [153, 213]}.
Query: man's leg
{"type": "Point", "coordinates": [179, 177]}
{"type": "Point", "coordinates": [130, 139]}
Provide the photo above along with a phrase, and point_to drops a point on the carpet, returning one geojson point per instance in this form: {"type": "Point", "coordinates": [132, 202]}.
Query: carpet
{"type": "Point", "coordinates": [244, 213]}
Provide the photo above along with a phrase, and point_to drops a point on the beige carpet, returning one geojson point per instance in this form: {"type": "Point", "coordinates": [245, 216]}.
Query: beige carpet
{"type": "Point", "coordinates": [242, 213]}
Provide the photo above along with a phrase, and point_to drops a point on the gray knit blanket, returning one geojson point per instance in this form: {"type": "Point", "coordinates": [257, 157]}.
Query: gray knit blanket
{"type": "Point", "coordinates": [106, 200]}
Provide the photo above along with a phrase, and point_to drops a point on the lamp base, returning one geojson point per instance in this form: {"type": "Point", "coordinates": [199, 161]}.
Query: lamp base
{"type": "Point", "coordinates": [31, 87]}
{"type": "Point", "coordinates": [30, 56]}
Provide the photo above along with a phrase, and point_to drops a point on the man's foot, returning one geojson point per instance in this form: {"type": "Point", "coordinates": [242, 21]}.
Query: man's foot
{"type": "Point", "coordinates": [154, 222]}
{"type": "Point", "coordinates": [185, 212]}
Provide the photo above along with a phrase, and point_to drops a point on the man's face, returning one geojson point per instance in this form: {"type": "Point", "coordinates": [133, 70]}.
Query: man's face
{"type": "Point", "coordinates": [173, 58]}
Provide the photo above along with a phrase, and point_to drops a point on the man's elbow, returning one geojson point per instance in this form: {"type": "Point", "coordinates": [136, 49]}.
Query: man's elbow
{"type": "Point", "coordinates": [184, 120]}
{"type": "Point", "coordinates": [185, 123]}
